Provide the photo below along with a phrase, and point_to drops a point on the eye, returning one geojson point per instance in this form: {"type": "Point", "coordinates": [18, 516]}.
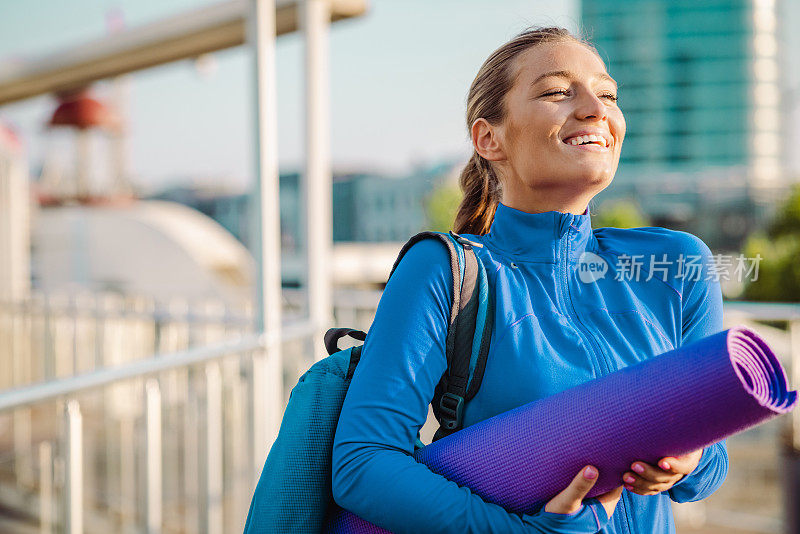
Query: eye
{"type": "Point", "coordinates": [610, 96]}
{"type": "Point", "coordinates": [553, 92]}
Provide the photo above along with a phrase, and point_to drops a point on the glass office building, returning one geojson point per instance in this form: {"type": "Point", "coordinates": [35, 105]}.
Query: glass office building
{"type": "Point", "coordinates": [700, 87]}
{"type": "Point", "coordinates": [698, 82]}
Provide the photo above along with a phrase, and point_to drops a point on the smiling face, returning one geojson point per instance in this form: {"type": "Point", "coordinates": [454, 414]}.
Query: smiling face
{"type": "Point", "coordinates": [560, 142]}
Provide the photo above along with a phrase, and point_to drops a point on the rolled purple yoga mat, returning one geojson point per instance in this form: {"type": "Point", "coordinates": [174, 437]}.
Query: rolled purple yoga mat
{"type": "Point", "coordinates": [669, 405]}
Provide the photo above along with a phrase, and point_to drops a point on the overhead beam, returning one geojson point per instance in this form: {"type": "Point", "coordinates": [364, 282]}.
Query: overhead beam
{"type": "Point", "coordinates": [183, 36]}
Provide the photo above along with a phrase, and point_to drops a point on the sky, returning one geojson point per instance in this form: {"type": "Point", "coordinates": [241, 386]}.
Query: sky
{"type": "Point", "coordinates": [399, 79]}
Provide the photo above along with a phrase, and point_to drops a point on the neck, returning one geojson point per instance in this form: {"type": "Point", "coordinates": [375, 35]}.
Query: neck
{"type": "Point", "coordinates": [572, 196]}
{"type": "Point", "coordinates": [576, 206]}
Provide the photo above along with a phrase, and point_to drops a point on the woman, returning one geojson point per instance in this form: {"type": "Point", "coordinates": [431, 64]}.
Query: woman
{"type": "Point", "coordinates": [547, 132]}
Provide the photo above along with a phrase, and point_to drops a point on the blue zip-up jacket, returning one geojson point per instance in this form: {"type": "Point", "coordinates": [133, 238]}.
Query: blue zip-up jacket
{"type": "Point", "coordinates": [554, 329]}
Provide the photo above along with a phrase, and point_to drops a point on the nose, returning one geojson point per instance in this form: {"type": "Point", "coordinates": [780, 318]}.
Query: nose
{"type": "Point", "coordinates": [589, 106]}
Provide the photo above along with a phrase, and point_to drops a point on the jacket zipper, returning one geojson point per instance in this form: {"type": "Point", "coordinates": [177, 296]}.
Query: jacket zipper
{"type": "Point", "coordinates": [595, 347]}
{"type": "Point", "coordinates": [591, 342]}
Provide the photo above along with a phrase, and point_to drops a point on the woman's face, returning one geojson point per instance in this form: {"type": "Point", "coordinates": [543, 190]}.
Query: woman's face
{"type": "Point", "coordinates": [560, 142]}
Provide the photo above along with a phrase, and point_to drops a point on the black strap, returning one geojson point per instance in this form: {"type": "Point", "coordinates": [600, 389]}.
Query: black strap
{"type": "Point", "coordinates": [463, 328]}
{"type": "Point", "coordinates": [355, 356]}
{"type": "Point", "coordinates": [451, 393]}
{"type": "Point", "coordinates": [333, 335]}
{"type": "Point", "coordinates": [455, 386]}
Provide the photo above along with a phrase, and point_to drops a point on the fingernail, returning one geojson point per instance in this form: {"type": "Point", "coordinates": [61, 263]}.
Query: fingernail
{"type": "Point", "coordinates": [638, 468]}
{"type": "Point", "coordinates": [629, 479]}
{"type": "Point", "coordinates": [628, 487]}
{"type": "Point", "coordinates": [664, 465]}
{"type": "Point", "coordinates": [590, 473]}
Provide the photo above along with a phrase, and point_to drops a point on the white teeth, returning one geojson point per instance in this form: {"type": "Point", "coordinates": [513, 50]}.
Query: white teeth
{"type": "Point", "coordinates": [581, 139]}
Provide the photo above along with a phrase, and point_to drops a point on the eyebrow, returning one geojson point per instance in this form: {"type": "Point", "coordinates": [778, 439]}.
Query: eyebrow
{"type": "Point", "coordinates": [568, 74]}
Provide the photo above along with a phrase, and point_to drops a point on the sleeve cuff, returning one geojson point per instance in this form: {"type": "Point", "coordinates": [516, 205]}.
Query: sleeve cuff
{"type": "Point", "coordinates": [700, 465]}
{"type": "Point", "coordinates": [590, 518]}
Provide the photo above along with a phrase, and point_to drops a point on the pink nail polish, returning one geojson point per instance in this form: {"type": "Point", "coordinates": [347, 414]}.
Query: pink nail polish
{"type": "Point", "coordinates": [628, 487]}
{"type": "Point", "coordinates": [664, 465]}
{"type": "Point", "coordinates": [629, 479]}
{"type": "Point", "coordinates": [638, 468]}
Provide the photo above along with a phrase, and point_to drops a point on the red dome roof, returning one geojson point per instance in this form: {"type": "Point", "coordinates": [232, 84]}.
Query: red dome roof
{"type": "Point", "coordinates": [79, 110]}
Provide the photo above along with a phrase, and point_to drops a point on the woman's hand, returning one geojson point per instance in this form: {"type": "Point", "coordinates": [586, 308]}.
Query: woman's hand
{"type": "Point", "coordinates": [646, 479]}
{"type": "Point", "coordinates": [569, 501]}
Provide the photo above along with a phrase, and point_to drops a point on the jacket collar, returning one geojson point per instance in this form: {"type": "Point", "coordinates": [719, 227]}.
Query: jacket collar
{"type": "Point", "coordinates": [540, 236]}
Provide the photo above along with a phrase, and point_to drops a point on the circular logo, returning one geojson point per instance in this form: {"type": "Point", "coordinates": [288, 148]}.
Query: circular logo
{"type": "Point", "coordinates": [591, 267]}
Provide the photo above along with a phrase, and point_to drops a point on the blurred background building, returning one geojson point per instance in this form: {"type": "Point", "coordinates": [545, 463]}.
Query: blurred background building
{"type": "Point", "coordinates": [701, 86]}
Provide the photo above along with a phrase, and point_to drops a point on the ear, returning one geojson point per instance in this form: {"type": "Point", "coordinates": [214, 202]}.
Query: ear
{"type": "Point", "coordinates": [487, 140]}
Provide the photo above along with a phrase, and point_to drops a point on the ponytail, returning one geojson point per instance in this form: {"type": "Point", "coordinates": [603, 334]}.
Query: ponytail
{"type": "Point", "coordinates": [481, 190]}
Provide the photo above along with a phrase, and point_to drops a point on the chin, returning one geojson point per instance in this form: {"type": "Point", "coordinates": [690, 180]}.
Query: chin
{"type": "Point", "coordinates": [595, 178]}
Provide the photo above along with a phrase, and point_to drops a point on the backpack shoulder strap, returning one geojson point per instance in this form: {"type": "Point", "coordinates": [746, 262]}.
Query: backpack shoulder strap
{"type": "Point", "coordinates": [468, 332]}
{"type": "Point", "coordinates": [454, 265]}
{"type": "Point", "coordinates": [468, 342]}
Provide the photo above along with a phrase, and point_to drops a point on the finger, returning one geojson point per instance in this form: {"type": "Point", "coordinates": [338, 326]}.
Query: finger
{"type": "Point", "coordinates": [569, 500]}
{"type": "Point", "coordinates": [682, 465]}
{"type": "Point", "coordinates": [632, 479]}
{"type": "Point", "coordinates": [645, 487]}
{"type": "Point", "coordinates": [651, 473]}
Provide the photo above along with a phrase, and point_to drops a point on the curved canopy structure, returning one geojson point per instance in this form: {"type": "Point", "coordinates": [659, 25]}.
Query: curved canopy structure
{"type": "Point", "coordinates": [183, 36]}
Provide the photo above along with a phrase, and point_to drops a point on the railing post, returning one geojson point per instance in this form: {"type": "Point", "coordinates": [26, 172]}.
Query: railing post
{"type": "Point", "coordinates": [255, 418]}
{"type": "Point", "coordinates": [316, 185]}
{"type": "Point", "coordinates": [153, 512]}
{"type": "Point", "coordinates": [49, 364]}
{"type": "Point", "coordinates": [22, 424]}
{"type": "Point", "coordinates": [211, 516]}
{"type": "Point", "coordinates": [99, 333]}
{"type": "Point", "coordinates": [45, 487]}
{"type": "Point", "coordinates": [239, 459]}
{"type": "Point", "coordinates": [23, 455]}
{"type": "Point", "coordinates": [267, 400]}
{"type": "Point", "coordinates": [127, 467]}
{"type": "Point", "coordinates": [73, 484]}
{"type": "Point", "coordinates": [192, 488]}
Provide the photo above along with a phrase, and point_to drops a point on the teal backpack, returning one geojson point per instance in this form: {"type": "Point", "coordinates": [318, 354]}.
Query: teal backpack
{"type": "Point", "coordinates": [294, 491]}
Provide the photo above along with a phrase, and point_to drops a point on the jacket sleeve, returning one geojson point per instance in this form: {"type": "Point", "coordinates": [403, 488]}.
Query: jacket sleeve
{"type": "Point", "coordinates": [701, 316]}
{"type": "Point", "coordinates": [374, 474]}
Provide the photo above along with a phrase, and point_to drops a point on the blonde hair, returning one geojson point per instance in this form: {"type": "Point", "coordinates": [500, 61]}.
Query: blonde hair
{"type": "Point", "coordinates": [479, 182]}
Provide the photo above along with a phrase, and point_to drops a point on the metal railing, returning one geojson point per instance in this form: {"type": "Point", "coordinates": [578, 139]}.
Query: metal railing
{"type": "Point", "coordinates": [82, 377]}
{"type": "Point", "coordinates": [57, 335]}
{"type": "Point", "coordinates": [218, 456]}
{"type": "Point", "coordinates": [54, 335]}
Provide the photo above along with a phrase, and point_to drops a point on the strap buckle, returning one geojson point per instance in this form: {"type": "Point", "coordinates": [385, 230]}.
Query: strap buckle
{"type": "Point", "coordinates": [452, 408]}
{"type": "Point", "coordinates": [464, 241]}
